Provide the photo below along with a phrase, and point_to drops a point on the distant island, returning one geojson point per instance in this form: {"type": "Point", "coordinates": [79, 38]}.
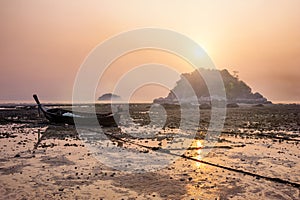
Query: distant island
{"type": "Point", "coordinates": [236, 90]}
{"type": "Point", "coordinates": [109, 97]}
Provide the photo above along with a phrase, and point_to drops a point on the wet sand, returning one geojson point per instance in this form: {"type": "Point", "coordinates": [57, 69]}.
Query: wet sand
{"type": "Point", "coordinates": [264, 141]}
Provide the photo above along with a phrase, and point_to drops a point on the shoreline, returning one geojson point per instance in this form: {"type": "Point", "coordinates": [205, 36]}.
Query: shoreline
{"type": "Point", "coordinates": [31, 104]}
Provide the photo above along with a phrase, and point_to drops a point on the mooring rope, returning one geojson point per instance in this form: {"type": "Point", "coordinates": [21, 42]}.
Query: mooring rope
{"type": "Point", "coordinates": [273, 179]}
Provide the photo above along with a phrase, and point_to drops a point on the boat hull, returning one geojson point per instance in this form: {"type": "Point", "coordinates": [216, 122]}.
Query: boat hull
{"type": "Point", "coordinates": [81, 119]}
{"type": "Point", "coordinates": [61, 116]}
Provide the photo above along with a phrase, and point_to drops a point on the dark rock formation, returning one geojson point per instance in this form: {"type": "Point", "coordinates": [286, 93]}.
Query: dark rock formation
{"type": "Point", "coordinates": [109, 97]}
{"type": "Point", "coordinates": [236, 90]}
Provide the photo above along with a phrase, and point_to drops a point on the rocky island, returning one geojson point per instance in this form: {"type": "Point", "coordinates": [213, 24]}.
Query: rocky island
{"type": "Point", "coordinates": [236, 90]}
{"type": "Point", "coordinates": [109, 97]}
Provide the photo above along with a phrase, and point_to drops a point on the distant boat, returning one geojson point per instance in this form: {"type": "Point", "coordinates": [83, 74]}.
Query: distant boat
{"type": "Point", "coordinates": [58, 115]}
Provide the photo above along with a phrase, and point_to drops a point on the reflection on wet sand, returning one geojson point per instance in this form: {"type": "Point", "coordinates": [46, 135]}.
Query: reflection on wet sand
{"type": "Point", "coordinates": [198, 155]}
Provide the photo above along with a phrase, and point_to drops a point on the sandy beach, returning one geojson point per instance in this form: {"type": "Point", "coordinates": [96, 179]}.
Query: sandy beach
{"type": "Point", "coordinates": [256, 157]}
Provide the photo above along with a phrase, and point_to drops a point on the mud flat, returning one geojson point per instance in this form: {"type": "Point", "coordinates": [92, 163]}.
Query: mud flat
{"type": "Point", "coordinates": [256, 157]}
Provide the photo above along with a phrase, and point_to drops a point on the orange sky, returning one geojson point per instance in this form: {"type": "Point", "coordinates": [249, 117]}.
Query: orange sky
{"type": "Point", "coordinates": [43, 43]}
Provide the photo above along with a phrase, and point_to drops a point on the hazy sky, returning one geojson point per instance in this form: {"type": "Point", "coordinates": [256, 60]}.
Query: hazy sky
{"type": "Point", "coordinates": [43, 43]}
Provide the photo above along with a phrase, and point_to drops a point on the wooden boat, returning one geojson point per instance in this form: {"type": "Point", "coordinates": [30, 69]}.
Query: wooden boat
{"type": "Point", "coordinates": [62, 116]}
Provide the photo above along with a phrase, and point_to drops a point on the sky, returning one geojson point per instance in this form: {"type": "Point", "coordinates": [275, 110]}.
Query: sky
{"type": "Point", "coordinates": [44, 43]}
